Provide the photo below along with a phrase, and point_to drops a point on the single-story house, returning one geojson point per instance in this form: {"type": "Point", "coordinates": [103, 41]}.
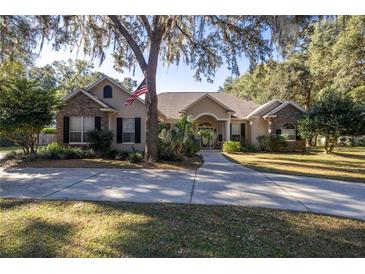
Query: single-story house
{"type": "Point", "coordinates": [100, 105]}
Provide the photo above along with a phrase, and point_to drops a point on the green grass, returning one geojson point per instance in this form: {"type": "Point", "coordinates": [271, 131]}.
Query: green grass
{"type": "Point", "coordinates": [9, 149]}
{"type": "Point", "coordinates": [31, 228]}
{"type": "Point", "coordinates": [346, 163]}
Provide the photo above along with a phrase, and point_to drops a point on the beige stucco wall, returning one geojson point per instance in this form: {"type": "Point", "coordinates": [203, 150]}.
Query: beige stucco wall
{"type": "Point", "coordinates": [207, 105]}
{"type": "Point", "coordinates": [137, 109]}
{"type": "Point", "coordinates": [258, 127]}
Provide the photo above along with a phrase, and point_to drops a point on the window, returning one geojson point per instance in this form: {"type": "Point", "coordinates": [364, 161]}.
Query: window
{"type": "Point", "coordinates": [79, 126]}
{"type": "Point", "coordinates": [129, 134]}
{"type": "Point", "coordinates": [108, 92]}
{"type": "Point", "coordinates": [288, 130]}
{"type": "Point", "coordinates": [236, 132]}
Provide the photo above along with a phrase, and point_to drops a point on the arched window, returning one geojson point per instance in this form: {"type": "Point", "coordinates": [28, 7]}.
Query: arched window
{"type": "Point", "coordinates": [108, 92]}
{"type": "Point", "coordinates": [288, 126]}
{"type": "Point", "coordinates": [288, 130]}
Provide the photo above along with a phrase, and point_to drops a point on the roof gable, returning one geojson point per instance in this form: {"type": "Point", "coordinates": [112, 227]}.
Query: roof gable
{"type": "Point", "coordinates": [88, 94]}
{"type": "Point", "coordinates": [265, 108]}
{"type": "Point", "coordinates": [115, 83]}
{"type": "Point", "coordinates": [104, 106]}
{"type": "Point", "coordinates": [282, 106]}
{"type": "Point", "coordinates": [211, 98]}
{"type": "Point", "coordinates": [170, 103]}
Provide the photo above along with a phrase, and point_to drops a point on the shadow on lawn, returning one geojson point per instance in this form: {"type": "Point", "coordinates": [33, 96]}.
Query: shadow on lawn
{"type": "Point", "coordinates": [37, 239]}
{"type": "Point", "coordinates": [350, 155]}
{"type": "Point", "coordinates": [170, 230]}
{"type": "Point", "coordinates": [228, 231]}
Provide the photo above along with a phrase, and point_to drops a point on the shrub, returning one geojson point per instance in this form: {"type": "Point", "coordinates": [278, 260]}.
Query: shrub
{"type": "Point", "coordinates": [248, 148]}
{"type": "Point", "coordinates": [56, 151]}
{"type": "Point", "coordinates": [192, 147]}
{"type": "Point", "coordinates": [52, 151]}
{"type": "Point", "coordinates": [231, 146]}
{"type": "Point", "coordinates": [101, 140]}
{"type": "Point", "coordinates": [135, 157]}
{"type": "Point", "coordinates": [277, 143]}
{"type": "Point", "coordinates": [264, 142]}
{"type": "Point", "coordinates": [49, 130]}
{"type": "Point", "coordinates": [342, 140]}
{"type": "Point", "coordinates": [272, 143]}
{"type": "Point", "coordinates": [350, 141]}
{"type": "Point", "coordinates": [362, 141]}
{"type": "Point", "coordinates": [177, 141]}
{"type": "Point", "coordinates": [121, 156]}
{"type": "Point", "coordinates": [206, 135]}
{"type": "Point", "coordinates": [111, 154]}
{"type": "Point", "coordinates": [6, 142]}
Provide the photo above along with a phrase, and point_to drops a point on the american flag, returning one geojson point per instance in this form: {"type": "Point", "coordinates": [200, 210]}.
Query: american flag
{"type": "Point", "coordinates": [141, 89]}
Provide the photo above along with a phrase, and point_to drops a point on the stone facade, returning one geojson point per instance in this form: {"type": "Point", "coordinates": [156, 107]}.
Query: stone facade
{"type": "Point", "coordinates": [288, 114]}
{"type": "Point", "coordinates": [79, 105]}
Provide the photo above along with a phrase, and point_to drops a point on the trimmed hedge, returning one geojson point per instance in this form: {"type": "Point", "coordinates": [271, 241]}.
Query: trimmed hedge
{"type": "Point", "coordinates": [231, 146]}
{"type": "Point", "coordinates": [49, 130]}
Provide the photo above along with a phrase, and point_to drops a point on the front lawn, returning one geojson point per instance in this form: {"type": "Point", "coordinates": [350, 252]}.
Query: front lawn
{"type": "Point", "coordinates": [31, 228]}
{"type": "Point", "coordinates": [346, 163]}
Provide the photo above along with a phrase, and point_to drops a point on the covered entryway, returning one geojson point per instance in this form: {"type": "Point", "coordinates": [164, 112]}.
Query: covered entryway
{"type": "Point", "coordinates": [208, 122]}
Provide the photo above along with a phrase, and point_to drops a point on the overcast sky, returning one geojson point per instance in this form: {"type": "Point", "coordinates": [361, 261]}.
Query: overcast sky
{"type": "Point", "coordinates": [169, 79]}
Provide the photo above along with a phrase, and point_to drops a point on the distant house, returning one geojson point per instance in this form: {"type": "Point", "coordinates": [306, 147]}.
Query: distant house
{"type": "Point", "coordinates": [100, 105]}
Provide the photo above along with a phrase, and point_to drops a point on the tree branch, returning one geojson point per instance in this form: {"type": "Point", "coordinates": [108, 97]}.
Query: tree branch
{"type": "Point", "coordinates": [131, 42]}
{"type": "Point", "coordinates": [191, 40]}
{"type": "Point", "coordinates": [146, 25]}
{"type": "Point", "coordinates": [155, 22]}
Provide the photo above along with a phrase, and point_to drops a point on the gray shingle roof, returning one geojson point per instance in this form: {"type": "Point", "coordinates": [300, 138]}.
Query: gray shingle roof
{"type": "Point", "coordinates": [170, 103]}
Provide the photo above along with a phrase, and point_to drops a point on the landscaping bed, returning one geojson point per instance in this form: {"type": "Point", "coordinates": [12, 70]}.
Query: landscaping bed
{"type": "Point", "coordinates": [32, 228]}
{"type": "Point", "coordinates": [346, 163]}
{"type": "Point", "coordinates": [193, 162]}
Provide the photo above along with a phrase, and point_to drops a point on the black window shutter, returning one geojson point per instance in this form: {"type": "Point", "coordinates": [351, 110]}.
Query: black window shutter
{"type": "Point", "coordinates": [243, 131]}
{"type": "Point", "coordinates": [66, 130]}
{"type": "Point", "coordinates": [137, 129]}
{"type": "Point", "coordinates": [108, 92]}
{"type": "Point", "coordinates": [297, 137]}
{"type": "Point", "coordinates": [97, 123]}
{"type": "Point", "coordinates": [278, 131]}
{"type": "Point", "coordinates": [230, 132]}
{"type": "Point", "coordinates": [119, 130]}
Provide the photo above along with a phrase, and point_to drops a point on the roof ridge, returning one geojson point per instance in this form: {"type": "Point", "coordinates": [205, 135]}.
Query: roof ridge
{"type": "Point", "coordinates": [166, 92]}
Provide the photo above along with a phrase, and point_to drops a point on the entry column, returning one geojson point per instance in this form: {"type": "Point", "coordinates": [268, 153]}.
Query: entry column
{"type": "Point", "coordinates": [227, 135]}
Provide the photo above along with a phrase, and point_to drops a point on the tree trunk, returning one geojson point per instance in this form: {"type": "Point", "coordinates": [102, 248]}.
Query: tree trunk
{"type": "Point", "coordinates": [332, 144]}
{"type": "Point", "coordinates": [151, 150]}
{"type": "Point", "coordinates": [326, 145]}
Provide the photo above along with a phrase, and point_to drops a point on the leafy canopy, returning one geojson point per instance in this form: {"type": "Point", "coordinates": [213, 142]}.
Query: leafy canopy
{"type": "Point", "coordinates": [25, 108]}
{"type": "Point", "coordinates": [329, 55]}
{"type": "Point", "coordinates": [333, 116]}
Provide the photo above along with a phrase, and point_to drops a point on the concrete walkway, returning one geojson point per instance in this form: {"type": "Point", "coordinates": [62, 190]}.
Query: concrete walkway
{"type": "Point", "coordinates": [218, 181]}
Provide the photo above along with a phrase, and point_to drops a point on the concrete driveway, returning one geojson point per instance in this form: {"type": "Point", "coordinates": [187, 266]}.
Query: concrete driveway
{"type": "Point", "coordinates": [218, 181]}
{"type": "Point", "coordinates": [135, 185]}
